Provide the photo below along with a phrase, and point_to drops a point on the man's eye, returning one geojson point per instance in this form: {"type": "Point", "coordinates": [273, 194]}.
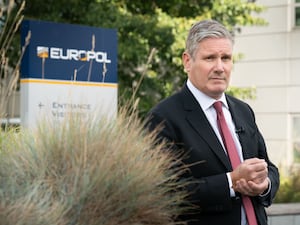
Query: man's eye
{"type": "Point", "coordinates": [226, 58]}
{"type": "Point", "coordinates": [209, 58]}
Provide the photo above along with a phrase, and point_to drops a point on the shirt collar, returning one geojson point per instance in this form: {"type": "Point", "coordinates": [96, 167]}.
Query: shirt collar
{"type": "Point", "coordinates": [204, 100]}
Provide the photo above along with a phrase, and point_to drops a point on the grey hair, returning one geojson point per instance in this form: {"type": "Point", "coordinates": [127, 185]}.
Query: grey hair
{"type": "Point", "coordinates": [205, 29]}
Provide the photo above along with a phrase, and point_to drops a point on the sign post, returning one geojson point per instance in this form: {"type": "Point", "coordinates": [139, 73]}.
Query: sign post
{"type": "Point", "coordinates": [67, 69]}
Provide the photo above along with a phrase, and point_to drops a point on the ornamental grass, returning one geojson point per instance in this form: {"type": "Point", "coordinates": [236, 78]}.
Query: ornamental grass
{"type": "Point", "coordinates": [88, 172]}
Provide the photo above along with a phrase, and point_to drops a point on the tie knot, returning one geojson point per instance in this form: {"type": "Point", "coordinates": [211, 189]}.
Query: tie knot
{"type": "Point", "coordinates": [218, 106]}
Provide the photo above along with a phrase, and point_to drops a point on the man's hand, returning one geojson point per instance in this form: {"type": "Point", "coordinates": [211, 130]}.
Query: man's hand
{"type": "Point", "coordinates": [250, 177]}
{"type": "Point", "coordinates": [251, 188]}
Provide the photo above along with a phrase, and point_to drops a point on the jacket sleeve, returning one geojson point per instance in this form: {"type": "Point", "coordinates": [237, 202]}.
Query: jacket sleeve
{"type": "Point", "coordinates": [273, 175]}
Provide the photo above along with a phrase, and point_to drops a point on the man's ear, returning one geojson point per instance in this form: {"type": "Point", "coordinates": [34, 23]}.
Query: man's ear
{"type": "Point", "coordinates": [186, 60]}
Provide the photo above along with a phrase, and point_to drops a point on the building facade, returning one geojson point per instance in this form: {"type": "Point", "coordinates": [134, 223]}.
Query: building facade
{"type": "Point", "coordinates": [271, 64]}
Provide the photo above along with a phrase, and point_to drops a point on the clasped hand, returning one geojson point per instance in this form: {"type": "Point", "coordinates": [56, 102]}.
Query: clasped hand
{"type": "Point", "coordinates": [250, 177]}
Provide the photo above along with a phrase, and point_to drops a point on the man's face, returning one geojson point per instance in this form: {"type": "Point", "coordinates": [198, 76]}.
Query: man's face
{"type": "Point", "coordinates": [210, 69]}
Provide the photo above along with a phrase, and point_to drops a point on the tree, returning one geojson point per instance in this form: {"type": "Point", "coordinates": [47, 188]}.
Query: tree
{"type": "Point", "coordinates": [151, 36]}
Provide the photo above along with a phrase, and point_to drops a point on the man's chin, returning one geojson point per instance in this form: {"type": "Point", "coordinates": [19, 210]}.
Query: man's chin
{"type": "Point", "coordinates": [217, 93]}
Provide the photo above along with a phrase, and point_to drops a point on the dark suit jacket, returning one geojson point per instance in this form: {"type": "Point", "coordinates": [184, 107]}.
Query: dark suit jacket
{"type": "Point", "coordinates": [186, 126]}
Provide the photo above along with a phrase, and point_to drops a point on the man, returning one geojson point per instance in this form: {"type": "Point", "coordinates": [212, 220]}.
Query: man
{"type": "Point", "coordinates": [224, 190]}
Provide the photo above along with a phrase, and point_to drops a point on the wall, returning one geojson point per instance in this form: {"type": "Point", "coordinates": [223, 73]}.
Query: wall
{"type": "Point", "coordinates": [284, 214]}
{"type": "Point", "coordinates": [271, 64]}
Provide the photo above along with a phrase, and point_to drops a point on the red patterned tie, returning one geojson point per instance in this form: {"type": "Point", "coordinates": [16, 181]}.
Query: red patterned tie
{"type": "Point", "coordinates": [234, 158]}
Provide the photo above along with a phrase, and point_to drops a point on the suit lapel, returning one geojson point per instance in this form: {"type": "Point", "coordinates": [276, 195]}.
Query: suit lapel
{"type": "Point", "coordinates": [198, 121]}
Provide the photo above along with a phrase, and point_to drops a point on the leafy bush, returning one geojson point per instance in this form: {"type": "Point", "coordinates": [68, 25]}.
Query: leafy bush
{"type": "Point", "coordinates": [289, 190]}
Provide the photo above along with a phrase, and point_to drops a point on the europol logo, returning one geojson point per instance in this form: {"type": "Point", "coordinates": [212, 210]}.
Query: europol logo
{"type": "Point", "coordinates": [42, 52]}
{"type": "Point", "coordinates": [72, 54]}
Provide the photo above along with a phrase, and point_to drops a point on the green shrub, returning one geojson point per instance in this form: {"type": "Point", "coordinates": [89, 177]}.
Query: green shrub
{"type": "Point", "coordinates": [289, 190]}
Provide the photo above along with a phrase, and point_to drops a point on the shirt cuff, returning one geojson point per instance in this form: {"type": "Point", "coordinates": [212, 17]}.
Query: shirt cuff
{"type": "Point", "coordinates": [266, 192]}
{"type": "Point", "coordinates": [232, 192]}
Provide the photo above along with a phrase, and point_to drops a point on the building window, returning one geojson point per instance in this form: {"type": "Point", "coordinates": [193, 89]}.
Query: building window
{"type": "Point", "coordinates": [296, 138]}
{"type": "Point", "coordinates": [297, 13]}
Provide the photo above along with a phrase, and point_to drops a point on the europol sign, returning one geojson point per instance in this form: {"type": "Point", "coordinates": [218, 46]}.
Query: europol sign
{"type": "Point", "coordinates": [71, 54]}
{"type": "Point", "coordinates": [65, 64]}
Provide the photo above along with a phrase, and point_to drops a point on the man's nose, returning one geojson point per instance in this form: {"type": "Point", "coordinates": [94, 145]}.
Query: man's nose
{"type": "Point", "coordinates": [219, 66]}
